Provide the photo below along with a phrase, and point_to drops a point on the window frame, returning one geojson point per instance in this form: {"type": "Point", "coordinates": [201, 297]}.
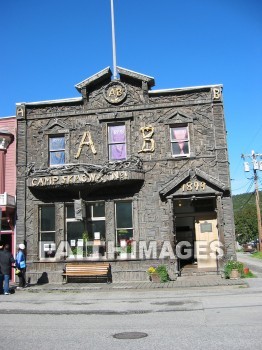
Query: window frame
{"type": "Point", "coordinates": [40, 232]}
{"type": "Point", "coordinates": [93, 218]}
{"type": "Point", "coordinates": [124, 228]}
{"type": "Point", "coordinates": [53, 136]}
{"type": "Point", "coordinates": [174, 141]}
{"type": "Point", "coordinates": [88, 220]}
{"type": "Point", "coordinates": [110, 143]}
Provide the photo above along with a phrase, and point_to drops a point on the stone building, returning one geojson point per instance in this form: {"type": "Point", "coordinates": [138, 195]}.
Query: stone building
{"type": "Point", "coordinates": [125, 174]}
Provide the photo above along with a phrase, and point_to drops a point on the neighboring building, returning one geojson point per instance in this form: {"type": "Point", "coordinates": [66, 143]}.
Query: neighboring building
{"type": "Point", "coordinates": [128, 166]}
{"type": "Point", "coordinates": [8, 180]}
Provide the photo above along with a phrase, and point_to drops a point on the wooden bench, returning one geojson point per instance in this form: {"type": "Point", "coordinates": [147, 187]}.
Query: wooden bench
{"type": "Point", "coordinates": [87, 270]}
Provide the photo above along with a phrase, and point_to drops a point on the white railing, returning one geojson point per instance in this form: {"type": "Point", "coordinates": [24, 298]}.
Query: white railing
{"type": "Point", "coordinates": [7, 199]}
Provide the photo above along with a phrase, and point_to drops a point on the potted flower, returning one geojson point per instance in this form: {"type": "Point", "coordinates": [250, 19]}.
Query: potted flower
{"type": "Point", "coordinates": [158, 273]}
{"type": "Point", "coordinates": [233, 269]}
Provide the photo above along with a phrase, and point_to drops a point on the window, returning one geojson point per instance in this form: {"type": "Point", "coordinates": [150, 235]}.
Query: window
{"type": "Point", "coordinates": [47, 231]}
{"type": "Point", "coordinates": [124, 221]}
{"type": "Point", "coordinates": [79, 232]}
{"type": "Point", "coordinates": [56, 150]}
{"type": "Point", "coordinates": [117, 142]}
{"type": "Point", "coordinates": [5, 223]}
{"type": "Point", "coordinates": [179, 137]}
{"type": "Point", "coordinates": [96, 219]}
{"type": "Point", "coordinates": [75, 230]}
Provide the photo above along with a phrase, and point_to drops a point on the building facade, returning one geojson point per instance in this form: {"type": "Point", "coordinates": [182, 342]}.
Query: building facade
{"type": "Point", "coordinates": [8, 180]}
{"type": "Point", "coordinates": [125, 174]}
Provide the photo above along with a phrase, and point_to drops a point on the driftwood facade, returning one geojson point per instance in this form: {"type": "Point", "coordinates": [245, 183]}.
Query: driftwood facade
{"type": "Point", "coordinates": [125, 174]}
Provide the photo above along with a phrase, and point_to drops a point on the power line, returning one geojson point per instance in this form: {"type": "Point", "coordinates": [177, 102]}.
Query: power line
{"type": "Point", "coordinates": [249, 145]}
{"type": "Point", "coordinates": [243, 206]}
{"type": "Point", "coordinates": [250, 185]}
{"type": "Point", "coordinates": [239, 188]}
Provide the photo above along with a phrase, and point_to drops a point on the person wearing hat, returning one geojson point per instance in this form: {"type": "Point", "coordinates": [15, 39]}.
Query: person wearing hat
{"type": "Point", "coordinates": [6, 261]}
{"type": "Point", "coordinates": [21, 264]}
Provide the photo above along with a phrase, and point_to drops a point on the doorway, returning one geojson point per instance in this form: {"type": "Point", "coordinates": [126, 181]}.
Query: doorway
{"type": "Point", "coordinates": [195, 228]}
{"type": "Point", "coordinates": [7, 238]}
{"type": "Point", "coordinates": [206, 235]}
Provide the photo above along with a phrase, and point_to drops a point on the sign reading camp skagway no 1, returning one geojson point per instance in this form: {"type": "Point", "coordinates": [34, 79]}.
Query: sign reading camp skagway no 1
{"type": "Point", "coordinates": [76, 179]}
{"type": "Point", "coordinates": [65, 180]}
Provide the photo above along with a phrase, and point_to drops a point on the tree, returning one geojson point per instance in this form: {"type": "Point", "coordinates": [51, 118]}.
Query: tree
{"type": "Point", "coordinates": [246, 224]}
{"type": "Point", "coordinates": [245, 215]}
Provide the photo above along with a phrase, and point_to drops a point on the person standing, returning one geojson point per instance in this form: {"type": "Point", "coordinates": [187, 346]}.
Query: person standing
{"type": "Point", "coordinates": [6, 261]}
{"type": "Point", "coordinates": [1, 275]}
{"type": "Point", "coordinates": [21, 264]}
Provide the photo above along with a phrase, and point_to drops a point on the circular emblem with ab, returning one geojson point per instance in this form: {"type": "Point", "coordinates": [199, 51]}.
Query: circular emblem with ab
{"type": "Point", "coordinates": [115, 92]}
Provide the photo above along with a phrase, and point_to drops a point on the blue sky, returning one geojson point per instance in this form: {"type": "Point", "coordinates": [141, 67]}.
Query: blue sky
{"type": "Point", "coordinates": [49, 46]}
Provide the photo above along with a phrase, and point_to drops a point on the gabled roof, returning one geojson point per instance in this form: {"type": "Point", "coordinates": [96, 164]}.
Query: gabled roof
{"type": "Point", "coordinates": [137, 76]}
{"type": "Point", "coordinates": [172, 186]}
{"type": "Point", "coordinates": [106, 74]}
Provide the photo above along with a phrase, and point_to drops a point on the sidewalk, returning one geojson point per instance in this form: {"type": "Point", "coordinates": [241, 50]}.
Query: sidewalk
{"type": "Point", "coordinates": [181, 282]}
{"type": "Point", "coordinates": [255, 265]}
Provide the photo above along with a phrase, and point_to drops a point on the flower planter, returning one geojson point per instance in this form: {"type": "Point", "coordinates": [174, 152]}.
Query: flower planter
{"type": "Point", "coordinates": [155, 278]}
{"type": "Point", "coordinates": [234, 274]}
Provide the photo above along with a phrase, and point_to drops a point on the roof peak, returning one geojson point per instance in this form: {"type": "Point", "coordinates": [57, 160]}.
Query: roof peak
{"type": "Point", "coordinates": [106, 74]}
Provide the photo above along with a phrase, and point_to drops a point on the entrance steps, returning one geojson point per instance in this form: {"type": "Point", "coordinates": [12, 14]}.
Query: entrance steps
{"type": "Point", "coordinates": [193, 270]}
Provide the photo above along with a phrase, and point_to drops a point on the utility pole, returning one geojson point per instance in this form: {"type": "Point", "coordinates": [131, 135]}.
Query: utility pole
{"type": "Point", "coordinates": [257, 165]}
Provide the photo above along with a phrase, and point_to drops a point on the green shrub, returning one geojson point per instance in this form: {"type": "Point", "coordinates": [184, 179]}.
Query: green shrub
{"type": "Point", "coordinates": [249, 275]}
{"type": "Point", "coordinates": [162, 272]}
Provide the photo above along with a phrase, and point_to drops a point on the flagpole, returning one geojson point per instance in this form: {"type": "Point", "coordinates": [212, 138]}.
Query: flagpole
{"type": "Point", "coordinates": [113, 40]}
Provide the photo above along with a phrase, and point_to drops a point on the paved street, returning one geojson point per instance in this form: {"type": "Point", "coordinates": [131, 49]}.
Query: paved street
{"type": "Point", "coordinates": [255, 265]}
{"type": "Point", "coordinates": [171, 318]}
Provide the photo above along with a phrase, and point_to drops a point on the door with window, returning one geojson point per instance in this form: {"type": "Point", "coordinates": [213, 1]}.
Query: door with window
{"type": "Point", "coordinates": [206, 242]}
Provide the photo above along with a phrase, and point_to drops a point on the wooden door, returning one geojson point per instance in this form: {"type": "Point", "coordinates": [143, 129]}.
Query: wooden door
{"type": "Point", "coordinates": [206, 233]}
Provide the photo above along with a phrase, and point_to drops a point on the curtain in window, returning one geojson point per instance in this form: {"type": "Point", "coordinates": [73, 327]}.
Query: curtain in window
{"type": "Point", "coordinates": [179, 138]}
{"type": "Point", "coordinates": [57, 158]}
{"type": "Point", "coordinates": [57, 150]}
{"type": "Point", "coordinates": [117, 140]}
{"type": "Point", "coordinates": [56, 143]}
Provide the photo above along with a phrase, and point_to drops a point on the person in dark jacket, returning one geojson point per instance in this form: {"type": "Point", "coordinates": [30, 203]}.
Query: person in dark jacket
{"type": "Point", "coordinates": [1, 275]}
{"type": "Point", "coordinates": [6, 261]}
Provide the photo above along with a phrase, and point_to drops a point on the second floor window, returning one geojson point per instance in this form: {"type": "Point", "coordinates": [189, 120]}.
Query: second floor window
{"type": "Point", "coordinates": [179, 141]}
{"type": "Point", "coordinates": [117, 142]}
{"type": "Point", "coordinates": [56, 150]}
